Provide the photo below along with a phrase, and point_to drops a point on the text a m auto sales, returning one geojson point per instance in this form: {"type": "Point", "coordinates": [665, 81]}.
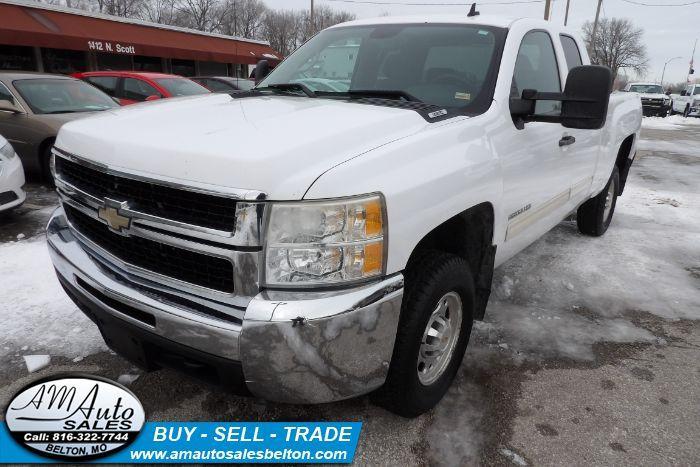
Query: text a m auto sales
{"type": "Point", "coordinates": [110, 47]}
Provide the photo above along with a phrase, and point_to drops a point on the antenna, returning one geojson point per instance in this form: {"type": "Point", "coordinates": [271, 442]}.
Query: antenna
{"type": "Point", "coordinates": [472, 11]}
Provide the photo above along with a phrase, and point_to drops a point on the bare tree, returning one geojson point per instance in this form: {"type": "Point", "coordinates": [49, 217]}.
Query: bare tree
{"type": "Point", "coordinates": [618, 44]}
{"type": "Point", "coordinates": [159, 11]}
{"type": "Point", "coordinates": [281, 29]}
{"type": "Point", "coordinates": [205, 15]}
{"type": "Point", "coordinates": [244, 18]}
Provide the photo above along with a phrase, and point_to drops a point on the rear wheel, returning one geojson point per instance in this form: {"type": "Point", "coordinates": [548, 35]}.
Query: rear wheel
{"type": "Point", "coordinates": [433, 333]}
{"type": "Point", "coordinates": [594, 216]}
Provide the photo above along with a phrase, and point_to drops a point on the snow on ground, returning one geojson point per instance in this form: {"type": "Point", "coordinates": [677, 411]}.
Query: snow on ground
{"type": "Point", "coordinates": [672, 122]}
{"type": "Point", "coordinates": [568, 292]}
{"type": "Point", "coordinates": [36, 316]}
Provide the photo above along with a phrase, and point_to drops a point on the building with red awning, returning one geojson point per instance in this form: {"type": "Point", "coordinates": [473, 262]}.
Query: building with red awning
{"type": "Point", "coordinates": [54, 39]}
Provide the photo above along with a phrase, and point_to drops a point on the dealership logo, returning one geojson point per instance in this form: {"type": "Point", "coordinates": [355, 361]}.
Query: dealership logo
{"type": "Point", "coordinates": [110, 214]}
{"type": "Point", "coordinates": [75, 417]}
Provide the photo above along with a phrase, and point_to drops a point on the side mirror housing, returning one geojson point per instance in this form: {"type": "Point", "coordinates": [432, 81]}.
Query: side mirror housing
{"type": "Point", "coordinates": [683, 93]}
{"type": "Point", "coordinates": [584, 102]}
{"type": "Point", "coordinates": [8, 106]}
{"type": "Point", "coordinates": [262, 69]}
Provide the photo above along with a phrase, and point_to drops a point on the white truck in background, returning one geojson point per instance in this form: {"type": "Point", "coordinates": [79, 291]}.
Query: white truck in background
{"type": "Point", "coordinates": [306, 244]}
{"type": "Point", "coordinates": [688, 102]}
{"type": "Point", "coordinates": [654, 101]}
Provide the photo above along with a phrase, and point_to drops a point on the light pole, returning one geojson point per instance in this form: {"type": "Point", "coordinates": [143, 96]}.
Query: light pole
{"type": "Point", "coordinates": [664, 72]}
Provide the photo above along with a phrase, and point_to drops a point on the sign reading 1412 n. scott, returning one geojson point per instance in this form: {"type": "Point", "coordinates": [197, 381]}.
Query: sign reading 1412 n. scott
{"type": "Point", "coordinates": [74, 417]}
{"type": "Point", "coordinates": [111, 47]}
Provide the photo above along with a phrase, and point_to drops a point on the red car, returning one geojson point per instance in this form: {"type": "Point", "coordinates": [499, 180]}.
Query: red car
{"type": "Point", "coordinates": [130, 87]}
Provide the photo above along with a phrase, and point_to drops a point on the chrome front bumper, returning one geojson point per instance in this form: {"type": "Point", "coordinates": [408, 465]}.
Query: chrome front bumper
{"type": "Point", "coordinates": [296, 347]}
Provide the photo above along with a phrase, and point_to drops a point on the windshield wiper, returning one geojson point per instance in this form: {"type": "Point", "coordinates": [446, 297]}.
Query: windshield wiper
{"type": "Point", "coordinates": [380, 93]}
{"type": "Point", "coordinates": [63, 112]}
{"type": "Point", "coordinates": [291, 87]}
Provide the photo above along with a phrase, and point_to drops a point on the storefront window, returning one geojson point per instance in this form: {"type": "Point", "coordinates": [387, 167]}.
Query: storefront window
{"type": "Point", "coordinates": [63, 61]}
{"type": "Point", "coordinates": [152, 64]}
{"type": "Point", "coordinates": [114, 62]}
{"type": "Point", "coordinates": [183, 67]}
{"type": "Point", "coordinates": [15, 57]}
{"type": "Point", "coordinates": [213, 69]}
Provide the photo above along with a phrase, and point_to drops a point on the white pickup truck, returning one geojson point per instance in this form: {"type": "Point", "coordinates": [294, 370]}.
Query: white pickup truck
{"type": "Point", "coordinates": [305, 242]}
{"type": "Point", "coordinates": [688, 103]}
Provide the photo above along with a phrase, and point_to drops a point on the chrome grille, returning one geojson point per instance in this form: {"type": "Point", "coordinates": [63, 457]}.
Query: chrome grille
{"type": "Point", "coordinates": [214, 212]}
{"type": "Point", "coordinates": [180, 264]}
{"type": "Point", "coordinates": [121, 221]}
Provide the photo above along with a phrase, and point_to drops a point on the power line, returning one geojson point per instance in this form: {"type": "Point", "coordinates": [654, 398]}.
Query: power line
{"type": "Point", "coordinates": [467, 3]}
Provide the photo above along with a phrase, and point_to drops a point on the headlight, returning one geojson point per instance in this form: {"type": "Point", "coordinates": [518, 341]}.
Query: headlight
{"type": "Point", "coordinates": [7, 152]}
{"type": "Point", "coordinates": [325, 242]}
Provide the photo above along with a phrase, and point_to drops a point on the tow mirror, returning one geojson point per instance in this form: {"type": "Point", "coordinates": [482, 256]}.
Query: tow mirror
{"type": "Point", "coordinates": [262, 69]}
{"type": "Point", "coordinates": [8, 106]}
{"type": "Point", "coordinates": [584, 102]}
{"type": "Point", "coordinates": [683, 93]}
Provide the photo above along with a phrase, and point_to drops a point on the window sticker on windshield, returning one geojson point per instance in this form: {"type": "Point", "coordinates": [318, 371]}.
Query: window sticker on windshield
{"type": "Point", "coordinates": [465, 96]}
{"type": "Point", "coordinates": [483, 32]}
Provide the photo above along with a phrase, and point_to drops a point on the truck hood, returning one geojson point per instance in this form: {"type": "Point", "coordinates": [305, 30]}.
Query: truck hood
{"type": "Point", "coordinates": [275, 144]}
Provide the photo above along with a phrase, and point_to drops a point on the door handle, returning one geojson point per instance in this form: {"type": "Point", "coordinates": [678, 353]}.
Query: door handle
{"type": "Point", "coordinates": [566, 140]}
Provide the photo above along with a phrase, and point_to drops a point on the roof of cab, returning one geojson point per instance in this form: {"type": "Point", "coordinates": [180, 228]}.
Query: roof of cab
{"type": "Point", "coordinates": [484, 20]}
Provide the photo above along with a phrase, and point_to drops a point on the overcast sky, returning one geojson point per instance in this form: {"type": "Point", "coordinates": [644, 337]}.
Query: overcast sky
{"type": "Point", "coordinates": [668, 31]}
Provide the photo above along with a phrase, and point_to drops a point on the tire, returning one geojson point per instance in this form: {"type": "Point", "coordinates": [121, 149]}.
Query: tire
{"type": "Point", "coordinates": [45, 162]}
{"type": "Point", "coordinates": [430, 279]}
{"type": "Point", "coordinates": [593, 217]}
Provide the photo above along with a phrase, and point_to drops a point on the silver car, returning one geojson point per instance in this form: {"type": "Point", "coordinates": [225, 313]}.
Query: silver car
{"type": "Point", "coordinates": [33, 106]}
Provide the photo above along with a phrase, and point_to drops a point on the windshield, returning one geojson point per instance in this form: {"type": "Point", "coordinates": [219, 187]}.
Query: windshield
{"type": "Point", "coordinates": [181, 87]}
{"type": "Point", "coordinates": [54, 96]}
{"type": "Point", "coordinates": [445, 65]}
{"type": "Point", "coordinates": [647, 88]}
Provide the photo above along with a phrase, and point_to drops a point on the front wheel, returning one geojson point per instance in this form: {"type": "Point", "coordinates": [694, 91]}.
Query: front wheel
{"type": "Point", "coordinates": [594, 216]}
{"type": "Point", "coordinates": [433, 333]}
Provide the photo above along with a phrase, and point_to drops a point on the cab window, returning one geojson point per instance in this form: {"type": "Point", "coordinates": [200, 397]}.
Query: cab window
{"type": "Point", "coordinates": [571, 52]}
{"type": "Point", "coordinates": [536, 68]}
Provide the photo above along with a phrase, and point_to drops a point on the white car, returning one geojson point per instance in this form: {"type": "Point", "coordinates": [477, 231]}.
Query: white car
{"type": "Point", "coordinates": [654, 101]}
{"type": "Point", "coordinates": [307, 245]}
{"type": "Point", "coordinates": [688, 102]}
{"type": "Point", "coordinates": [11, 177]}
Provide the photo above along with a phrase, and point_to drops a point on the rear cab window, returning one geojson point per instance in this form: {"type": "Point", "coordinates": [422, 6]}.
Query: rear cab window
{"type": "Point", "coordinates": [572, 54]}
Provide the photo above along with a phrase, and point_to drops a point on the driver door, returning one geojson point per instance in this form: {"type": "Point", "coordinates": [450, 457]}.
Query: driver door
{"type": "Point", "coordinates": [535, 182]}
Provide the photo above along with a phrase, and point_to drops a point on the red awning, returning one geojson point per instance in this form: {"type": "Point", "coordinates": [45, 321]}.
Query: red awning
{"type": "Point", "coordinates": [60, 29]}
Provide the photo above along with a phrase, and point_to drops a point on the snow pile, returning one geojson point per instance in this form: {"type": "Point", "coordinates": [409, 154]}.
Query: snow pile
{"type": "Point", "coordinates": [36, 362]}
{"type": "Point", "coordinates": [35, 312]}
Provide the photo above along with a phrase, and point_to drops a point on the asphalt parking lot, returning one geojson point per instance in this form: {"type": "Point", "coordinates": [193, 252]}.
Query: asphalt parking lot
{"type": "Point", "coordinates": [588, 354]}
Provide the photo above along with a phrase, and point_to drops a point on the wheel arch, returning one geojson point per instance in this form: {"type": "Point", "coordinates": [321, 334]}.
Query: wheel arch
{"type": "Point", "coordinates": [624, 161]}
{"type": "Point", "coordinates": [468, 235]}
{"type": "Point", "coordinates": [43, 146]}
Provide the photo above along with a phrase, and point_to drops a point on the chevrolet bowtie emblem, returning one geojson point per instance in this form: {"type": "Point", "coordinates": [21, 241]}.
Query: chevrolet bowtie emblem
{"type": "Point", "coordinates": [113, 219]}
